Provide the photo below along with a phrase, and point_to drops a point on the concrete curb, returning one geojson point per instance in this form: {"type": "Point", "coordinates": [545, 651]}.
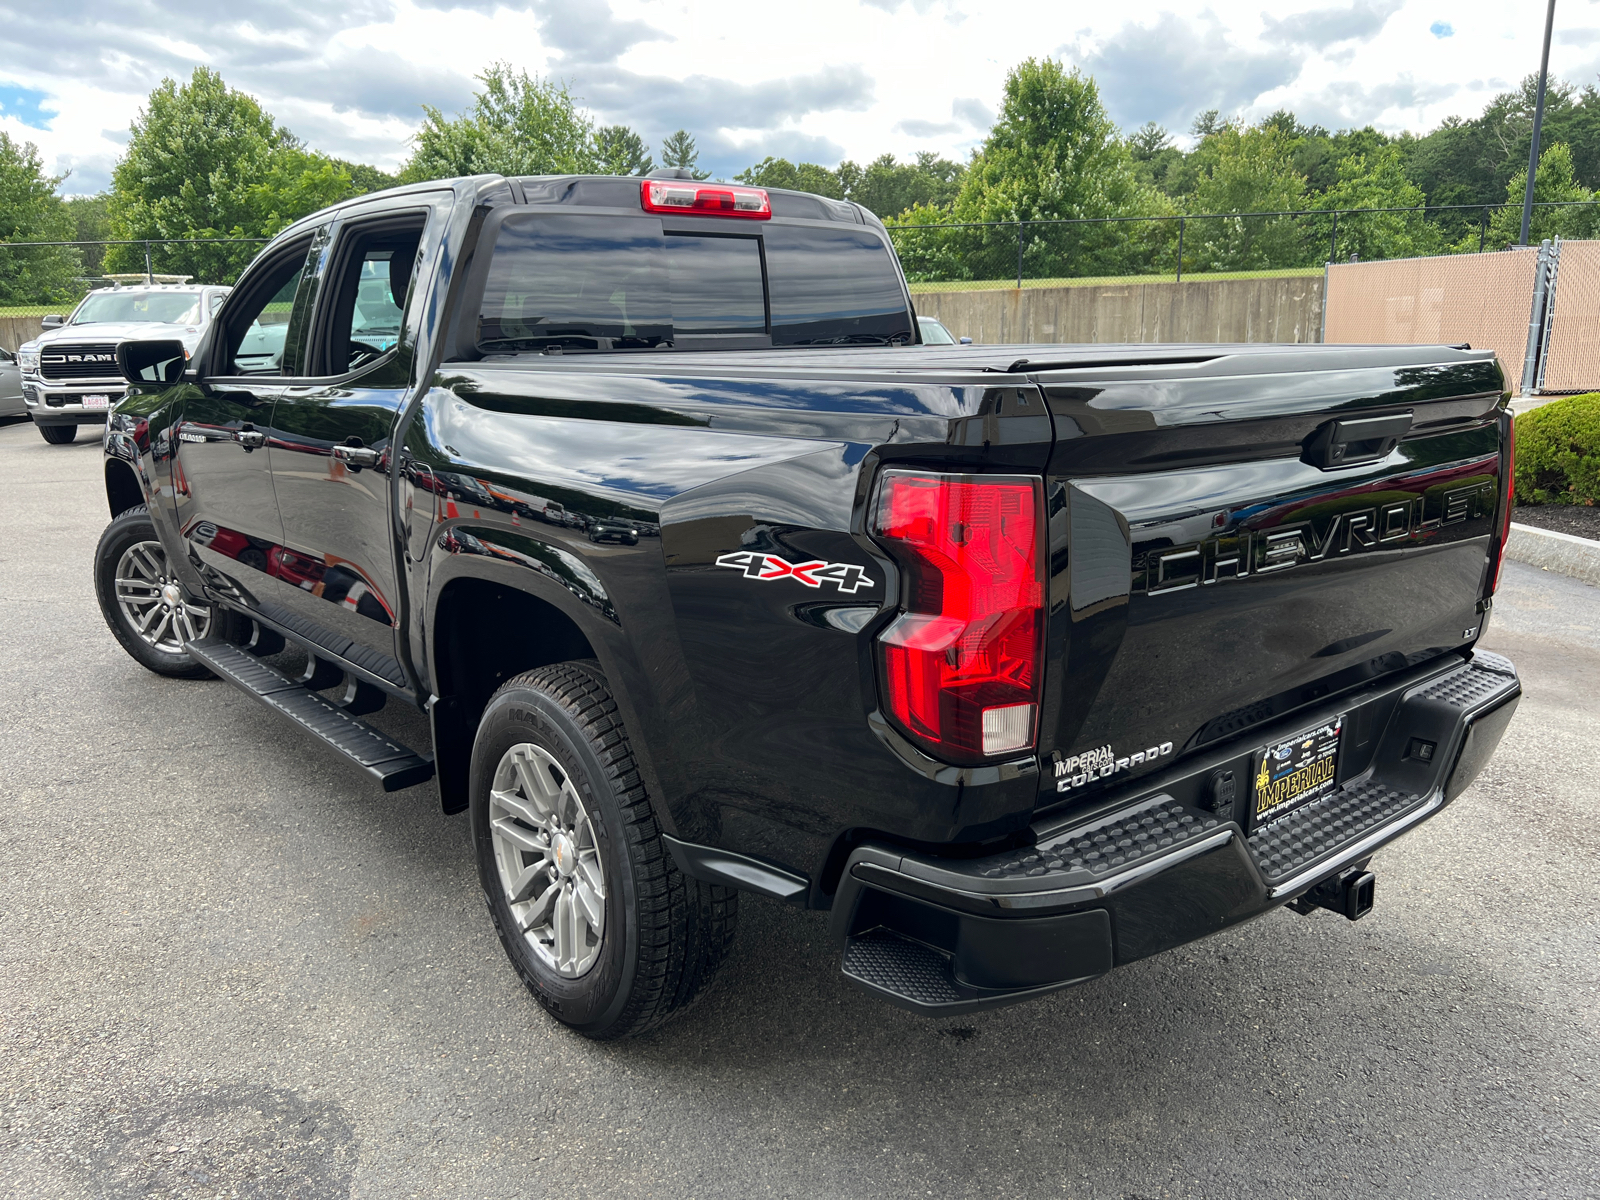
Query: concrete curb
{"type": "Point", "coordinates": [1561, 552]}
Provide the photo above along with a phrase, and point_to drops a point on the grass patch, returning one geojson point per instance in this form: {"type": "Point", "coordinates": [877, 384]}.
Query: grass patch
{"type": "Point", "coordinates": [988, 285]}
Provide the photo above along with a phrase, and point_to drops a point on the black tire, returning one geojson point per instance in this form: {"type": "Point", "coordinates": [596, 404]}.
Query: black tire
{"type": "Point", "coordinates": [58, 435]}
{"type": "Point", "coordinates": [127, 530]}
{"type": "Point", "coordinates": [676, 931]}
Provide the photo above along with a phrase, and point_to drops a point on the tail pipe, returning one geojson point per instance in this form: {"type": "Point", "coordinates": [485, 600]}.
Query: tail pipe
{"type": "Point", "coordinates": [1351, 894]}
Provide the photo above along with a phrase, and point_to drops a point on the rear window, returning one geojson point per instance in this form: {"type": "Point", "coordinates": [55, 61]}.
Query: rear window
{"type": "Point", "coordinates": [574, 282]}
{"type": "Point", "coordinates": [716, 284]}
{"type": "Point", "coordinates": [832, 286]}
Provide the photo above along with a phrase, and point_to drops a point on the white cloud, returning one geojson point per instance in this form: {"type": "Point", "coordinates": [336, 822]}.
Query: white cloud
{"type": "Point", "coordinates": [853, 78]}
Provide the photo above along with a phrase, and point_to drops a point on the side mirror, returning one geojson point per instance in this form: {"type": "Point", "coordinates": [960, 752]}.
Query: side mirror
{"type": "Point", "coordinates": [154, 361]}
{"type": "Point", "coordinates": [53, 321]}
{"type": "Point", "coordinates": [966, 341]}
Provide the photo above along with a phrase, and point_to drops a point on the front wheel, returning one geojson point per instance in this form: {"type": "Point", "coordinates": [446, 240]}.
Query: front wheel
{"type": "Point", "coordinates": [58, 435]}
{"type": "Point", "coordinates": [142, 600]}
{"type": "Point", "coordinates": [600, 924]}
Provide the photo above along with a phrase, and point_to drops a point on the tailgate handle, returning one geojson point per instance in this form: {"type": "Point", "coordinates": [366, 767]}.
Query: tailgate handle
{"type": "Point", "coordinates": [1344, 443]}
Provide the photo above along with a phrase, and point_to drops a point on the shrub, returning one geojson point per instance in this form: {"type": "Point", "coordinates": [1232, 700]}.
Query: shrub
{"type": "Point", "coordinates": [1558, 452]}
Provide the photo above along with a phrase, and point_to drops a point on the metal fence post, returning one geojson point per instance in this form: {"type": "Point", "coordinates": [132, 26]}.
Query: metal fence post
{"type": "Point", "coordinates": [148, 277]}
{"type": "Point", "coordinates": [1181, 221]}
{"type": "Point", "coordinates": [1530, 356]}
{"type": "Point", "coordinates": [1483, 229]}
{"type": "Point", "coordinates": [1327, 270]}
{"type": "Point", "coordinates": [1551, 286]}
{"type": "Point", "coordinates": [1333, 242]}
{"type": "Point", "coordinates": [1020, 224]}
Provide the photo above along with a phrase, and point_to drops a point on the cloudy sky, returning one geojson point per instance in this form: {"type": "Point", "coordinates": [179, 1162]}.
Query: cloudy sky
{"type": "Point", "coordinates": [820, 80]}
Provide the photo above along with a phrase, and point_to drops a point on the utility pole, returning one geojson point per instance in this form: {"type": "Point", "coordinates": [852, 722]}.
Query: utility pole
{"type": "Point", "coordinates": [1538, 120]}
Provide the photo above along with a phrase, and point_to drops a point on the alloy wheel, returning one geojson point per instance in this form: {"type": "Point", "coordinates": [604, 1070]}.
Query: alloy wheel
{"type": "Point", "coordinates": [548, 861]}
{"type": "Point", "coordinates": [153, 603]}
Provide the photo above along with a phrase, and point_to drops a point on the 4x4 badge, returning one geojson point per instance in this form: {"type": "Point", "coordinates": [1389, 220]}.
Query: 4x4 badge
{"type": "Point", "coordinates": [847, 577]}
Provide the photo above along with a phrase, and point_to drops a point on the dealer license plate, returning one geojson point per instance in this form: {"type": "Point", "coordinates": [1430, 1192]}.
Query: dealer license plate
{"type": "Point", "coordinates": [96, 401]}
{"type": "Point", "coordinates": [1295, 772]}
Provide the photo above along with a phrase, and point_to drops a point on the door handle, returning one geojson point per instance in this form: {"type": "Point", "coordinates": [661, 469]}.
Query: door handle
{"type": "Point", "coordinates": [357, 456]}
{"type": "Point", "coordinates": [250, 438]}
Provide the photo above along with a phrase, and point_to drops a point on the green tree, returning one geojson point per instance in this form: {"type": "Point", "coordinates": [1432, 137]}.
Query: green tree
{"type": "Point", "coordinates": [1468, 161]}
{"type": "Point", "coordinates": [91, 223]}
{"type": "Point", "coordinates": [622, 151]}
{"type": "Point", "coordinates": [206, 161]}
{"type": "Point", "coordinates": [1375, 181]}
{"type": "Point", "coordinates": [519, 124]}
{"type": "Point", "coordinates": [364, 179]}
{"type": "Point", "coordinates": [1053, 154]}
{"type": "Point", "coordinates": [1156, 160]}
{"type": "Point", "coordinates": [30, 211]}
{"type": "Point", "coordinates": [1245, 171]}
{"type": "Point", "coordinates": [886, 187]}
{"type": "Point", "coordinates": [797, 177]}
{"type": "Point", "coordinates": [1555, 182]}
{"type": "Point", "coordinates": [678, 150]}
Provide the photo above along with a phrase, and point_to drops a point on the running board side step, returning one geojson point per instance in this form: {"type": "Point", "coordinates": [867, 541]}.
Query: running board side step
{"type": "Point", "coordinates": [391, 764]}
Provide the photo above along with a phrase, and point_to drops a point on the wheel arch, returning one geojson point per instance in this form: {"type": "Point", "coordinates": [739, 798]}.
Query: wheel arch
{"type": "Point", "coordinates": [483, 631]}
{"type": "Point", "coordinates": [123, 490]}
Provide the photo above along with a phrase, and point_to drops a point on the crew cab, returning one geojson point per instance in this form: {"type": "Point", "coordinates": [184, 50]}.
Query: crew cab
{"type": "Point", "coordinates": [1020, 662]}
{"type": "Point", "coordinates": [70, 375]}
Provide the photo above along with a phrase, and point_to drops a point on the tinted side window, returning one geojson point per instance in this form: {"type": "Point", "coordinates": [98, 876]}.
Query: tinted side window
{"type": "Point", "coordinates": [716, 284]}
{"type": "Point", "coordinates": [258, 323]}
{"type": "Point", "coordinates": [831, 286]}
{"type": "Point", "coordinates": [577, 282]}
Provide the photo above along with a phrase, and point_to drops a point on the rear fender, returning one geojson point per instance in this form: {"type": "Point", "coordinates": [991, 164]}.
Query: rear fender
{"type": "Point", "coordinates": [475, 571]}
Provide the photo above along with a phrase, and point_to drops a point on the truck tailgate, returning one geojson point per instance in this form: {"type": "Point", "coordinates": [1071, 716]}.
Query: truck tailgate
{"type": "Point", "coordinates": [1235, 539]}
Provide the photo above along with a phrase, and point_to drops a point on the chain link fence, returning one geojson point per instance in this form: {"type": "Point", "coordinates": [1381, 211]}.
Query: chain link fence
{"type": "Point", "coordinates": [1064, 253]}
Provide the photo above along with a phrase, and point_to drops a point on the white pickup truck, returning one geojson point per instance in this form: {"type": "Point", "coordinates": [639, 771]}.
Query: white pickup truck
{"type": "Point", "coordinates": [69, 372]}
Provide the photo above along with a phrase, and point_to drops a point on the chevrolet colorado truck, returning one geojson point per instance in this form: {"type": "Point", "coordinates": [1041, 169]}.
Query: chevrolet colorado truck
{"type": "Point", "coordinates": [69, 372]}
{"type": "Point", "coordinates": [1022, 662]}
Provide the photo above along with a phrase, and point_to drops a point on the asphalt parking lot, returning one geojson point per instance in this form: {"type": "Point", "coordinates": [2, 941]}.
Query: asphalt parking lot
{"type": "Point", "coordinates": [231, 966]}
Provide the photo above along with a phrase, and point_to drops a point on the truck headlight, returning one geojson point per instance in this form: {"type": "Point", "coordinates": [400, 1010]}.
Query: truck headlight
{"type": "Point", "coordinates": [28, 359]}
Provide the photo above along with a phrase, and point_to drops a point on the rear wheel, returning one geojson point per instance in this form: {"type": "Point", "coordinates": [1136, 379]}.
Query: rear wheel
{"type": "Point", "coordinates": [600, 924]}
{"type": "Point", "coordinates": [58, 435]}
{"type": "Point", "coordinates": [142, 601]}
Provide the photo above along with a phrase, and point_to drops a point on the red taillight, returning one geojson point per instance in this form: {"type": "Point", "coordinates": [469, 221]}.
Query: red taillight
{"type": "Point", "coordinates": [704, 199]}
{"type": "Point", "coordinates": [962, 665]}
{"type": "Point", "coordinates": [1509, 499]}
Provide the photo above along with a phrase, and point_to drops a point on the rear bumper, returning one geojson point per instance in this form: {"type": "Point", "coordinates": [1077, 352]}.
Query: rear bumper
{"type": "Point", "coordinates": [940, 936]}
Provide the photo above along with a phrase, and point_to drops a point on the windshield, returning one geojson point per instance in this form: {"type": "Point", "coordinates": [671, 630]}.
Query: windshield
{"type": "Point", "coordinates": [126, 304]}
{"type": "Point", "coordinates": [933, 333]}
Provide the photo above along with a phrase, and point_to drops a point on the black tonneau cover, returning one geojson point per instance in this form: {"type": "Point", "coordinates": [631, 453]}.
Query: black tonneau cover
{"type": "Point", "coordinates": [983, 362]}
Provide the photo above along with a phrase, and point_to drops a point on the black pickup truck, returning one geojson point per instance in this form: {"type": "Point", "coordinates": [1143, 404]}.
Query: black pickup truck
{"type": "Point", "coordinates": [1021, 661]}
